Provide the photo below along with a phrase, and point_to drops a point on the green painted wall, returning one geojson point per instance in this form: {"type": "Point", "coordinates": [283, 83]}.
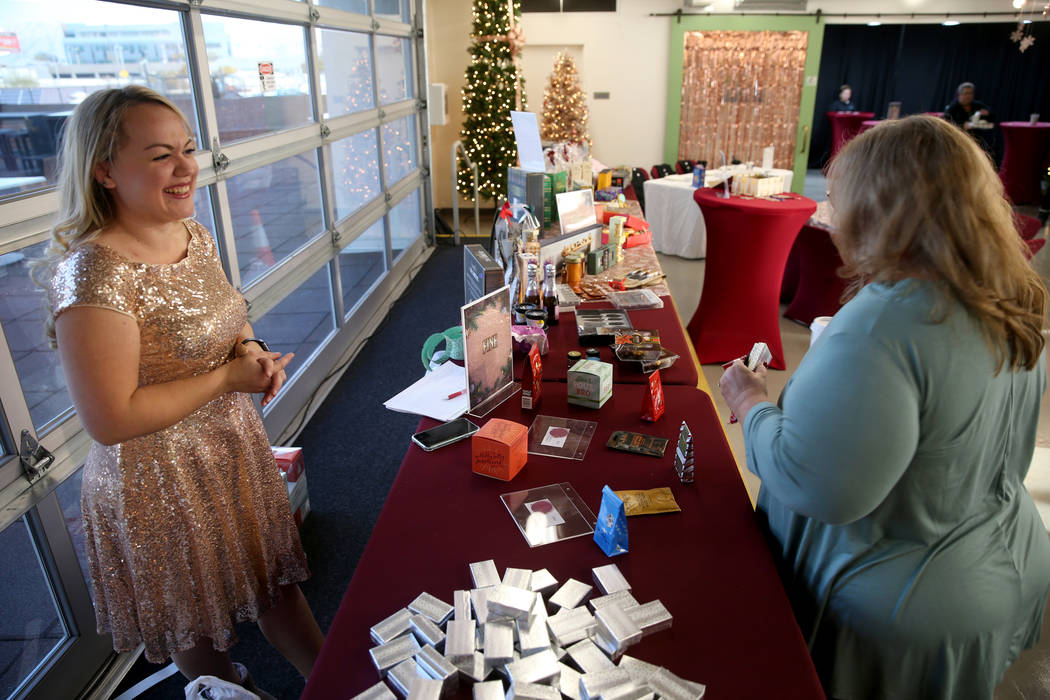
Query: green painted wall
{"type": "Point", "coordinates": [747, 23]}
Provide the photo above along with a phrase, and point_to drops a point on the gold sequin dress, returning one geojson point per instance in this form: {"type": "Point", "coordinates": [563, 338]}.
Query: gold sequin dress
{"type": "Point", "coordinates": [188, 529]}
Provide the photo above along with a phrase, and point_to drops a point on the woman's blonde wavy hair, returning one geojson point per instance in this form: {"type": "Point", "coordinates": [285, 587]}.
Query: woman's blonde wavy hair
{"type": "Point", "coordinates": [917, 197]}
{"type": "Point", "coordinates": [92, 135]}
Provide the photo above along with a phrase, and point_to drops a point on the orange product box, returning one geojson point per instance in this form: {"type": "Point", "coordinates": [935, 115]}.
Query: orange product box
{"type": "Point", "coordinates": [499, 449]}
{"type": "Point", "coordinates": [289, 461]}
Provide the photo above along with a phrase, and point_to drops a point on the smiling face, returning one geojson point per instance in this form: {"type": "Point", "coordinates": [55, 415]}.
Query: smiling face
{"type": "Point", "coordinates": [153, 174]}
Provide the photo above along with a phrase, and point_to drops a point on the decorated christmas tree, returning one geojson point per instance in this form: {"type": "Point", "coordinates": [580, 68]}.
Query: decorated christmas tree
{"type": "Point", "coordinates": [494, 86]}
{"type": "Point", "coordinates": [564, 104]}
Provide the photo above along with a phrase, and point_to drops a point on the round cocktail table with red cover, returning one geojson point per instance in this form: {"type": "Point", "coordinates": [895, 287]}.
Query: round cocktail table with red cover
{"type": "Point", "coordinates": [1025, 159]}
{"type": "Point", "coordinates": [844, 126]}
{"type": "Point", "coordinates": [748, 241]}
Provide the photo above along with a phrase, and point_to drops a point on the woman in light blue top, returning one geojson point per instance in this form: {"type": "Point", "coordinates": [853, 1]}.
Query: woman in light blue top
{"type": "Point", "coordinates": [892, 466]}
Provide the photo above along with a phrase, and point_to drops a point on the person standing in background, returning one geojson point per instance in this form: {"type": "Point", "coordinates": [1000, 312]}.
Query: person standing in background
{"type": "Point", "coordinates": [844, 102]}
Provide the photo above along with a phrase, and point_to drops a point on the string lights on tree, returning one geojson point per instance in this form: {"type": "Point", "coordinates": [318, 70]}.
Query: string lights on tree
{"type": "Point", "coordinates": [493, 87]}
{"type": "Point", "coordinates": [564, 104]}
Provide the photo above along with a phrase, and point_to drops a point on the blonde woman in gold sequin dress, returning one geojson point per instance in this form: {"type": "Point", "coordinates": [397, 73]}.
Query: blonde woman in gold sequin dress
{"type": "Point", "coordinates": [187, 520]}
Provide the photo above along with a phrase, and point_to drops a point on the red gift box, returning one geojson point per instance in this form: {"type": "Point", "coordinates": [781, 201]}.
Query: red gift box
{"type": "Point", "coordinates": [289, 461]}
{"type": "Point", "coordinates": [499, 449]}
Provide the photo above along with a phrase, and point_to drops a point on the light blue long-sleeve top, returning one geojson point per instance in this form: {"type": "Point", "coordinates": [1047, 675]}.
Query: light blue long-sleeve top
{"type": "Point", "coordinates": [892, 476]}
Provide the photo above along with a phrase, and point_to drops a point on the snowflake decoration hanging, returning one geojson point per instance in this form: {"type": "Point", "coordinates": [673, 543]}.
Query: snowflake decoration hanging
{"type": "Point", "coordinates": [1018, 33]}
{"type": "Point", "coordinates": [1026, 42]}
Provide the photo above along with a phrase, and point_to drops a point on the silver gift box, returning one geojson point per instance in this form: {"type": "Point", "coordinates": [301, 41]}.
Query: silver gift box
{"type": "Point", "coordinates": [402, 675]}
{"type": "Point", "coordinates": [532, 631]}
{"type": "Point", "coordinates": [609, 579]}
{"type": "Point", "coordinates": [461, 605]}
{"type": "Point", "coordinates": [388, 655]}
{"type": "Point", "coordinates": [535, 668]}
{"type": "Point", "coordinates": [617, 626]}
{"type": "Point", "coordinates": [431, 662]}
{"type": "Point", "coordinates": [392, 627]}
{"type": "Point", "coordinates": [424, 689]}
{"type": "Point", "coordinates": [472, 666]}
{"type": "Point", "coordinates": [670, 686]}
{"type": "Point", "coordinates": [499, 642]}
{"type": "Point", "coordinates": [379, 691]}
{"type": "Point", "coordinates": [622, 598]}
{"type": "Point", "coordinates": [542, 582]}
{"type": "Point", "coordinates": [488, 690]}
{"type": "Point", "coordinates": [650, 617]}
{"type": "Point", "coordinates": [426, 631]}
{"type": "Point", "coordinates": [569, 682]}
{"type": "Point", "coordinates": [434, 608]}
{"type": "Point", "coordinates": [479, 599]}
{"type": "Point", "coordinates": [509, 602]}
{"type": "Point", "coordinates": [532, 691]}
{"type": "Point", "coordinates": [588, 657]}
{"type": "Point", "coordinates": [594, 684]}
{"type": "Point", "coordinates": [571, 594]}
{"type": "Point", "coordinates": [459, 640]}
{"type": "Point", "coordinates": [571, 625]}
{"type": "Point", "coordinates": [602, 640]}
{"type": "Point", "coordinates": [518, 578]}
{"type": "Point", "coordinates": [484, 573]}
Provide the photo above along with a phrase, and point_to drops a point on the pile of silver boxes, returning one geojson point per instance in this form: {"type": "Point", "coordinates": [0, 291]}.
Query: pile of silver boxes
{"type": "Point", "coordinates": [501, 630]}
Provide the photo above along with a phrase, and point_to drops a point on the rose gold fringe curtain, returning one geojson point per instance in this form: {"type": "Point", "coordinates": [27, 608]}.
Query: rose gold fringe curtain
{"type": "Point", "coordinates": [740, 93]}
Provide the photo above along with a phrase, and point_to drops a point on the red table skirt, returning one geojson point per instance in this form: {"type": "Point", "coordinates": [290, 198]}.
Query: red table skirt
{"type": "Point", "coordinates": [733, 626]}
{"type": "Point", "coordinates": [748, 241]}
{"type": "Point", "coordinates": [844, 126]}
{"type": "Point", "coordinates": [819, 288]}
{"type": "Point", "coordinates": [563, 337]}
{"type": "Point", "coordinates": [1025, 159]}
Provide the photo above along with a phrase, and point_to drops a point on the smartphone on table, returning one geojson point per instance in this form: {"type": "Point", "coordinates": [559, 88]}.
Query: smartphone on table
{"type": "Point", "coordinates": [444, 434]}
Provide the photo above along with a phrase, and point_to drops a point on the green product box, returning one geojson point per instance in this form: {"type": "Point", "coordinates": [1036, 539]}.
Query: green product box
{"type": "Point", "coordinates": [590, 383]}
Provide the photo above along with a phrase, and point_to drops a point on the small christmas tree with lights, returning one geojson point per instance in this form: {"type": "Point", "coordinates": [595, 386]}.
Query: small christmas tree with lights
{"type": "Point", "coordinates": [564, 104]}
{"type": "Point", "coordinates": [494, 86]}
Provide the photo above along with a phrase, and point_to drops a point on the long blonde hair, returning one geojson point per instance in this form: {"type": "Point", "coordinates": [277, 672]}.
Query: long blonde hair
{"type": "Point", "coordinates": [92, 135]}
{"type": "Point", "coordinates": [918, 197]}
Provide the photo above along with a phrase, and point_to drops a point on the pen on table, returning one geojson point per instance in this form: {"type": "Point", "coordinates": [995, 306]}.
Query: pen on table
{"type": "Point", "coordinates": [458, 393]}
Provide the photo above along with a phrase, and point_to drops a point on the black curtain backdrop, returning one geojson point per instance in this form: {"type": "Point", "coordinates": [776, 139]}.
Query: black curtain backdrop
{"type": "Point", "coordinates": [921, 65]}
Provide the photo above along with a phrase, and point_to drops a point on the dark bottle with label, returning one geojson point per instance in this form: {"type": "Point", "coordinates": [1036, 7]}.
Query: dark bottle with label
{"type": "Point", "coordinates": [532, 287]}
{"type": "Point", "coordinates": [550, 295]}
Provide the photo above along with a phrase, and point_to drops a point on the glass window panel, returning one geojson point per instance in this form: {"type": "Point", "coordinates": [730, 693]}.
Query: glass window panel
{"type": "Point", "coordinates": [68, 494]}
{"type": "Point", "coordinates": [394, 72]}
{"type": "Point", "coordinates": [275, 209]}
{"type": "Point", "coordinates": [362, 263]}
{"type": "Point", "coordinates": [399, 10]}
{"type": "Point", "coordinates": [235, 48]}
{"type": "Point", "coordinates": [30, 627]}
{"type": "Point", "coordinates": [64, 54]}
{"type": "Point", "coordinates": [22, 317]}
{"type": "Point", "coordinates": [202, 209]}
{"type": "Point", "coordinates": [399, 148]}
{"type": "Point", "coordinates": [406, 223]}
{"type": "Point", "coordinates": [358, 6]}
{"type": "Point", "coordinates": [356, 172]}
{"type": "Point", "coordinates": [301, 321]}
{"type": "Point", "coordinates": [346, 79]}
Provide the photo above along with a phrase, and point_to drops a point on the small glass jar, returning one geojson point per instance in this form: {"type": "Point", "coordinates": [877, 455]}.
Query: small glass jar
{"type": "Point", "coordinates": [519, 313]}
{"type": "Point", "coordinates": [594, 354]}
{"type": "Point", "coordinates": [536, 317]}
{"type": "Point", "coordinates": [574, 270]}
{"type": "Point", "coordinates": [573, 357]}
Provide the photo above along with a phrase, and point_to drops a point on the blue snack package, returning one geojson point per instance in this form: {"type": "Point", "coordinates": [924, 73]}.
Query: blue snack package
{"type": "Point", "coordinates": [610, 532]}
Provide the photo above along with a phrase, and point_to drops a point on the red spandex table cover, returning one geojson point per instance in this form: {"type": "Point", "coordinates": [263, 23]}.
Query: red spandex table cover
{"type": "Point", "coordinates": [710, 566]}
{"type": "Point", "coordinates": [819, 289]}
{"type": "Point", "coordinates": [844, 126]}
{"type": "Point", "coordinates": [748, 241]}
{"type": "Point", "coordinates": [1025, 159]}
{"type": "Point", "coordinates": [563, 337]}
{"type": "Point", "coordinates": [868, 124]}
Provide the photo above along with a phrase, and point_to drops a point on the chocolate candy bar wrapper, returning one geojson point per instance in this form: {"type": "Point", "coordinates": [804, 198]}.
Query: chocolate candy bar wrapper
{"type": "Point", "coordinates": [637, 443]}
{"type": "Point", "coordinates": [649, 502]}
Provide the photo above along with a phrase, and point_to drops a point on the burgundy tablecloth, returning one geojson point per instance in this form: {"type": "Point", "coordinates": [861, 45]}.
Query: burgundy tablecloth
{"type": "Point", "coordinates": [748, 241]}
{"type": "Point", "coordinates": [868, 124]}
{"type": "Point", "coordinates": [1025, 158]}
{"type": "Point", "coordinates": [563, 338]}
{"type": "Point", "coordinates": [819, 288]}
{"type": "Point", "coordinates": [844, 126]}
{"type": "Point", "coordinates": [710, 566]}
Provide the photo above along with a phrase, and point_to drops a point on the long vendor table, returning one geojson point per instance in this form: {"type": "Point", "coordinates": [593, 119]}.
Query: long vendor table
{"type": "Point", "coordinates": [733, 627]}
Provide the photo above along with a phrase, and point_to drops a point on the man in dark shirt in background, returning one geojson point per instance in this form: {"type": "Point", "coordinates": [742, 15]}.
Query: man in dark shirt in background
{"type": "Point", "coordinates": [843, 103]}
{"type": "Point", "coordinates": [963, 108]}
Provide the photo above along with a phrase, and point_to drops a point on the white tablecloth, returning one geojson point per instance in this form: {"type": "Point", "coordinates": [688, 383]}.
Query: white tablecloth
{"type": "Point", "coordinates": [677, 225]}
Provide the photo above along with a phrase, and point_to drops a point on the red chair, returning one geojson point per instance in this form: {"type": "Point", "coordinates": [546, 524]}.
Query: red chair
{"type": "Point", "coordinates": [684, 166]}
